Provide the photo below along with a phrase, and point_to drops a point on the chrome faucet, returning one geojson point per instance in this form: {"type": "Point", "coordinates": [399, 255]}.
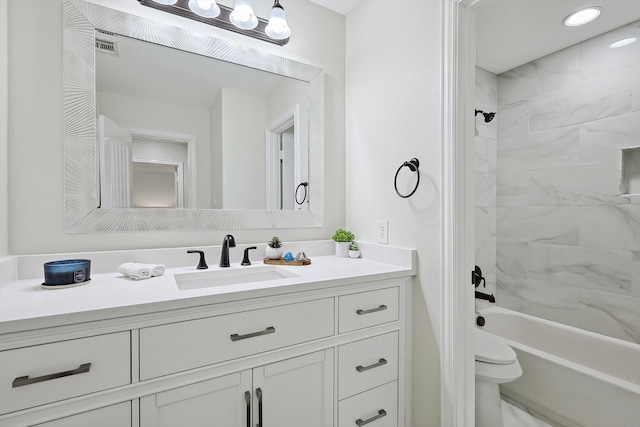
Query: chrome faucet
{"type": "Point", "coordinates": [227, 242]}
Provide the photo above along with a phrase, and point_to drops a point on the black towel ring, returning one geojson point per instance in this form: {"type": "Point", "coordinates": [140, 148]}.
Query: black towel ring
{"type": "Point", "coordinates": [302, 184]}
{"type": "Point", "coordinates": [413, 165]}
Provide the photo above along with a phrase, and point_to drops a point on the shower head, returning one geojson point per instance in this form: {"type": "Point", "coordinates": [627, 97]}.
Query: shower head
{"type": "Point", "coordinates": [487, 116]}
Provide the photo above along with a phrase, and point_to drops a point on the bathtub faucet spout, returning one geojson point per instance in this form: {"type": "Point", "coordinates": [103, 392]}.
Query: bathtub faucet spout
{"type": "Point", "coordinates": [488, 297]}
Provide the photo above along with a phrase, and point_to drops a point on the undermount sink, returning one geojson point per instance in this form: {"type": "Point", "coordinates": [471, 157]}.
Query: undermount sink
{"type": "Point", "coordinates": [230, 276]}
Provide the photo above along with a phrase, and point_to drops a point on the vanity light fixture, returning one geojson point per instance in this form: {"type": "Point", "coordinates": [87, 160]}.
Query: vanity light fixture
{"type": "Point", "coordinates": [204, 8]}
{"type": "Point", "coordinates": [582, 16]}
{"type": "Point", "coordinates": [623, 42]}
{"type": "Point", "coordinates": [239, 19]}
{"type": "Point", "coordinates": [278, 28]}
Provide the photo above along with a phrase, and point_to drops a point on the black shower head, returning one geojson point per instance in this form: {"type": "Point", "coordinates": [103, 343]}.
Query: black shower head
{"type": "Point", "coordinates": [487, 116]}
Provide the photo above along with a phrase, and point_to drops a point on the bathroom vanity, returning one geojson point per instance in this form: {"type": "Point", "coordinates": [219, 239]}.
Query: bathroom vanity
{"type": "Point", "coordinates": [325, 347]}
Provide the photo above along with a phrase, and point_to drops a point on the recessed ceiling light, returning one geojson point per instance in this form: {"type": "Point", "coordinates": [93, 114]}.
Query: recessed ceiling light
{"type": "Point", "coordinates": [582, 16]}
{"type": "Point", "coordinates": [623, 42]}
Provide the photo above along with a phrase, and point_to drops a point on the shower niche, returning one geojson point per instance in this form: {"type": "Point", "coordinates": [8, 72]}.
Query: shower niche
{"type": "Point", "coordinates": [630, 172]}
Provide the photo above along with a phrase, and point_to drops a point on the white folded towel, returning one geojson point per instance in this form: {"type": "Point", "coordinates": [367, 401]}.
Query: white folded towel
{"type": "Point", "coordinates": [134, 270]}
{"type": "Point", "coordinates": [156, 269]}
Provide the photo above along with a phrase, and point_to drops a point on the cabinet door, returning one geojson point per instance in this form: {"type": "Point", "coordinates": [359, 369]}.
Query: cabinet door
{"type": "Point", "coordinates": [220, 402]}
{"type": "Point", "coordinates": [112, 416]}
{"type": "Point", "coordinates": [295, 392]}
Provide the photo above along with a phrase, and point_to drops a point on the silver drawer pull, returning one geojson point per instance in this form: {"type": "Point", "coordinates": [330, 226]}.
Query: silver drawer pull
{"type": "Point", "coordinates": [373, 310]}
{"type": "Point", "coordinates": [22, 381]}
{"type": "Point", "coordinates": [381, 413]}
{"type": "Point", "coordinates": [236, 337]}
{"type": "Point", "coordinates": [361, 368]}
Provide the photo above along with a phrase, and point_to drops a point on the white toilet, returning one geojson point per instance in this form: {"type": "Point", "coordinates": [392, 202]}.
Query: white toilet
{"type": "Point", "coordinates": [496, 363]}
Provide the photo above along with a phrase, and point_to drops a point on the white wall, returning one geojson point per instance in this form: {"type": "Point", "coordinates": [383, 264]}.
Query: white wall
{"type": "Point", "coordinates": [35, 194]}
{"type": "Point", "coordinates": [216, 153]}
{"type": "Point", "coordinates": [393, 114]}
{"type": "Point", "coordinates": [4, 215]}
{"type": "Point", "coordinates": [243, 150]}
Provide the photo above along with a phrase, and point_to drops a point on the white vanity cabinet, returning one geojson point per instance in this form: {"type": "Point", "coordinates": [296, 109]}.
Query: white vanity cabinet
{"type": "Point", "coordinates": [329, 355]}
{"type": "Point", "coordinates": [111, 416]}
{"type": "Point", "coordinates": [289, 393]}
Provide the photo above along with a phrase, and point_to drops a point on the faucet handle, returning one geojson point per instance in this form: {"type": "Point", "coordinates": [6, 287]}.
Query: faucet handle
{"type": "Point", "coordinates": [245, 259]}
{"type": "Point", "coordinates": [202, 265]}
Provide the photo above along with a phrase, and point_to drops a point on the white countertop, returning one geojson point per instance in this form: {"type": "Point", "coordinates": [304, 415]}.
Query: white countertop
{"type": "Point", "coordinates": [24, 305]}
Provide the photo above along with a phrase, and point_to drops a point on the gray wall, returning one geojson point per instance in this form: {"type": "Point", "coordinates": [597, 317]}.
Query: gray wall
{"type": "Point", "coordinates": [568, 245]}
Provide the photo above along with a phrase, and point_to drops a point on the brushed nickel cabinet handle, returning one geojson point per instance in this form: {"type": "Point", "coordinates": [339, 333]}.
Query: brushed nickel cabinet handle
{"type": "Point", "coordinates": [372, 310]}
{"type": "Point", "coordinates": [381, 362]}
{"type": "Point", "coordinates": [381, 413]}
{"type": "Point", "coordinates": [236, 337]}
{"type": "Point", "coordinates": [259, 394]}
{"type": "Point", "coordinates": [247, 398]}
{"type": "Point", "coordinates": [22, 381]}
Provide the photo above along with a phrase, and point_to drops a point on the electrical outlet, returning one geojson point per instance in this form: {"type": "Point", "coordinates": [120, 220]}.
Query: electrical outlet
{"type": "Point", "coordinates": [383, 231]}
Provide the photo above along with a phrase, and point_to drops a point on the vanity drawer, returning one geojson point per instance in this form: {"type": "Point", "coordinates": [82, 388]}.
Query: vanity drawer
{"type": "Point", "coordinates": [374, 408]}
{"type": "Point", "coordinates": [357, 311]}
{"type": "Point", "coordinates": [33, 376]}
{"type": "Point", "coordinates": [201, 342]}
{"type": "Point", "coordinates": [367, 364]}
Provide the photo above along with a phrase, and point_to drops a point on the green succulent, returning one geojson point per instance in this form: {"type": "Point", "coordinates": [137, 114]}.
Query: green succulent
{"type": "Point", "coordinates": [275, 242]}
{"type": "Point", "coordinates": [342, 235]}
{"type": "Point", "coordinates": [353, 246]}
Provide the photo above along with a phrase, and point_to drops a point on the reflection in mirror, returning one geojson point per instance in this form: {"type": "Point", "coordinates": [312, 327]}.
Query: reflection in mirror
{"type": "Point", "coordinates": [220, 170]}
{"type": "Point", "coordinates": [226, 136]}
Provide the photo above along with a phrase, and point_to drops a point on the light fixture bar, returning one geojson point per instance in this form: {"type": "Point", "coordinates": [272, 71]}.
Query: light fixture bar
{"type": "Point", "coordinates": [181, 8]}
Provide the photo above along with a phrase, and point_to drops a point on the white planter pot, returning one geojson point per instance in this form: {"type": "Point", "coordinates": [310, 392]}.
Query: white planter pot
{"type": "Point", "coordinates": [273, 253]}
{"type": "Point", "coordinates": [342, 249]}
{"type": "Point", "coordinates": [354, 254]}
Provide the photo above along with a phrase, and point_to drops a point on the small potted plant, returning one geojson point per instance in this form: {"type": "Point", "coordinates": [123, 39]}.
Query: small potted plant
{"type": "Point", "coordinates": [354, 250]}
{"type": "Point", "coordinates": [274, 248]}
{"type": "Point", "coordinates": [343, 239]}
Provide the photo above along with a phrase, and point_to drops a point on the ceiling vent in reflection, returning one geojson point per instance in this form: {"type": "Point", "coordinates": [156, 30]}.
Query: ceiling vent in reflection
{"type": "Point", "coordinates": [107, 46]}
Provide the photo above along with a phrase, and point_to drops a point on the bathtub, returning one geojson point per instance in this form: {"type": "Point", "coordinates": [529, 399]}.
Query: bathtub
{"type": "Point", "coordinates": [573, 377]}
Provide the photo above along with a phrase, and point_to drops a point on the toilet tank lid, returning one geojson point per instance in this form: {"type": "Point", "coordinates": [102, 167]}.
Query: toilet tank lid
{"type": "Point", "coordinates": [491, 348]}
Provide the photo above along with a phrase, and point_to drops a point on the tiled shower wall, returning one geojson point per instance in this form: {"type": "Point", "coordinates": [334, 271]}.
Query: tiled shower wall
{"type": "Point", "coordinates": [567, 244]}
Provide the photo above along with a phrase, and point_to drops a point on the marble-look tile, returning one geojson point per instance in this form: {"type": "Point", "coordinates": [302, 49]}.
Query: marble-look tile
{"type": "Point", "coordinates": [544, 421]}
{"type": "Point", "coordinates": [513, 416]}
{"type": "Point", "coordinates": [485, 188]}
{"type": "Point", "coordinates": [551, 301]}
{"type": "Point", "coordinates": [485, 223]}
{"type": "Point", "coordinates": [481, 158]}
{"type": "Point", "coordinates": [512, 180]}
{"type": "Point", "coordinates": [585, 184]}
{"type": "Point", "coordinates": [558, 69]}
{"type": "Point", "coordinates": [635, 88]}
{"type": "Point", "coordinates": [601, 140]}
{"type": "Point", "coordinates": [614, 227]}
{"type": "Point", "coordinates": [512, 258]}
{"type": "Point", "coordinates": [555, 147]}
{"type": "Point", "coordinates": [590, 268]}
{"type": "Point", "coordinates": [597, 58]}
{"type": "Point", "coordinates": [513, 119]}
{"type": "Point", "coordinates": [518, 84]}
{"type": "Point", "coordinates": [610, 314]}
{"type": "Point", "coordinates": [485, 258]}
{"type": "Point", "coordinates": [589, 100]}
{"type": "Point", "coordinates": [542, 75]}
{"type": "Point", "coordinates": [538, 224]}
{"type": "Point", "coordinates": [487, 101]}
{"type": "Point", "coordinates": [635, 273]}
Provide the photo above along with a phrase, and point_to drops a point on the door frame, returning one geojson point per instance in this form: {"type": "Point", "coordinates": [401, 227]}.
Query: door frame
{"type": "Point", "coordinates": [457, 385]}
{"type": "Point", "coordinates": [177, 138]}
{"type": "Point", "coordinates": [284, 121]}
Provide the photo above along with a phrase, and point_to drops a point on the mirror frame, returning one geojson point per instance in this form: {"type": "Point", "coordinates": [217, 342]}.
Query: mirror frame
{"type": "Point", "coordinates": [82, 214]}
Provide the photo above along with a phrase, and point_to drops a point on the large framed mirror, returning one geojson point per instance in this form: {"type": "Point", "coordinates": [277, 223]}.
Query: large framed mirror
{"type": "Point", "coordinates": [169, 129]}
